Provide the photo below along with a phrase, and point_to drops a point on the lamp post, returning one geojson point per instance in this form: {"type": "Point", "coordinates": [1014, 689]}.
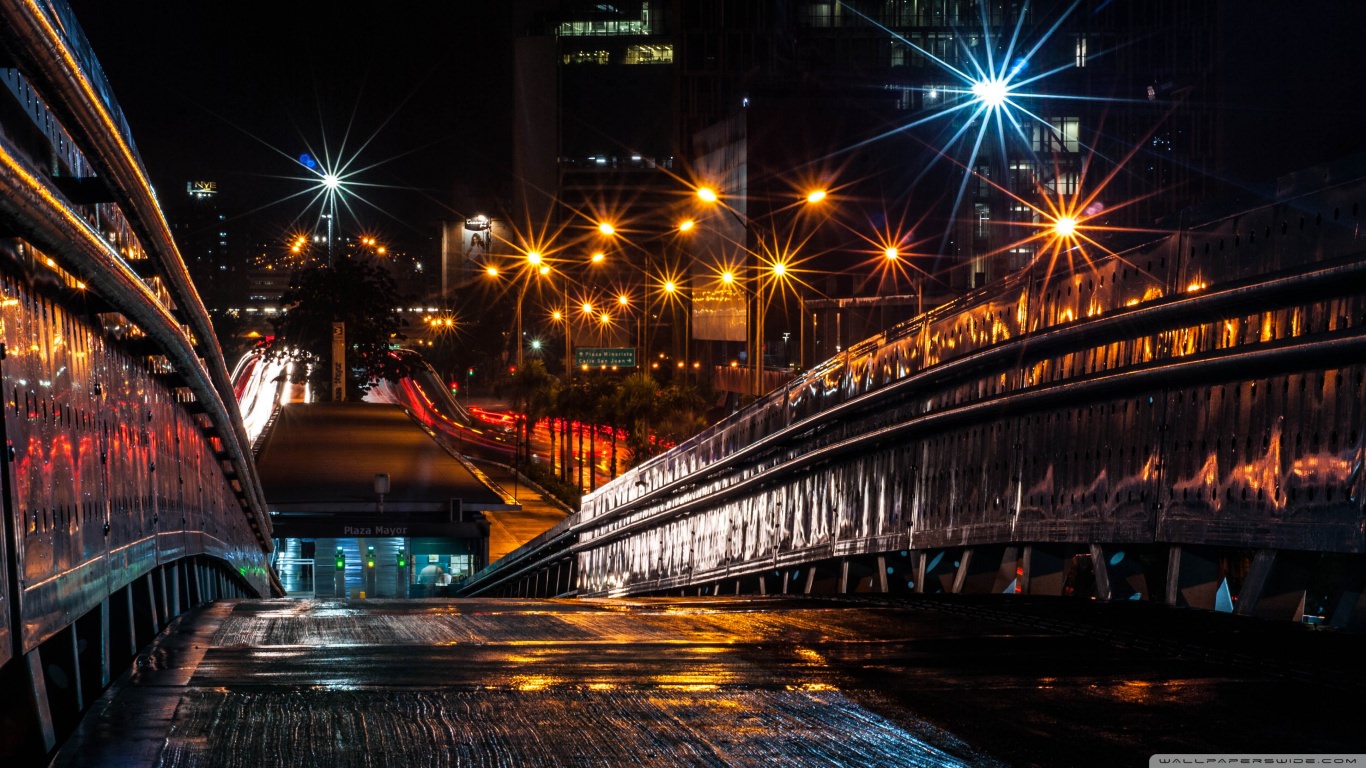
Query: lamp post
{"type": "Point", "coordinates": [655, 274]}
{"type": "Point", "coordinates": [753, 260]}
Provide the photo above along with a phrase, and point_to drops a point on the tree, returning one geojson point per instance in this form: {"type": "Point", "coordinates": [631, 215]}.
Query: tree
{"type": "Point", "coordinates": [356, 293]}
{"type": "Point", "coordinates": [535, 391]}
{"type": "Point", "coordinates": [637, 407]}
{"type": "Point", "coordinates": [682, 413]}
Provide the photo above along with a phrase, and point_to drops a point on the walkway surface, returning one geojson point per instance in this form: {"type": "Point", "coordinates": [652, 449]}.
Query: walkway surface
{"type": "Point", "coordinates": [722, 682]}
{"type": "Point", "coordinates": [510, 529]}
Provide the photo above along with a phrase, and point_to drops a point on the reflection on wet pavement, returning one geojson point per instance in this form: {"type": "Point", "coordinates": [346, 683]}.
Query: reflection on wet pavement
{"type": "Point", "coordinates": [672, 682]}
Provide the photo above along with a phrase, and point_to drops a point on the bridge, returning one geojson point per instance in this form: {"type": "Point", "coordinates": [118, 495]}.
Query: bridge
{"type": "Point", "coordinates": [130, 492]}
{"type": "Point", "coordinates": [1178, 423]}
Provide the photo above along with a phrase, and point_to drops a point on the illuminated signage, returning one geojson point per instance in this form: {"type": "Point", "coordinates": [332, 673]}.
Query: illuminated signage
{"type": "Point", "coordinates": [201, 188]}
{"type": "Point", "coordinates": [605, 357]}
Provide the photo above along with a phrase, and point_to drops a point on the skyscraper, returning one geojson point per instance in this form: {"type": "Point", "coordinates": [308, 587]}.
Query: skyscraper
{"type": "Point", "coordinates": [948, 133]}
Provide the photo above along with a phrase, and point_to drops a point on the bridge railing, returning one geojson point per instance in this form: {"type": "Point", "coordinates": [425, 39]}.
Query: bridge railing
{"type": "Point", "coordinates": [129, 491]}
{"type": "Point", "coordinates": [1197, 394]}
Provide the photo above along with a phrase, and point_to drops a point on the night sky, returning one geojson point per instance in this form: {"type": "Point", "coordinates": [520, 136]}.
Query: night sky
{"type": "Point", "coordinates": [234, 91]}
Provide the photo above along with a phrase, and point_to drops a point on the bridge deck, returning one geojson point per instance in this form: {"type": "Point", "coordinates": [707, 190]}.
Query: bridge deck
{"type": "Point", "coordinates": [755, 681]}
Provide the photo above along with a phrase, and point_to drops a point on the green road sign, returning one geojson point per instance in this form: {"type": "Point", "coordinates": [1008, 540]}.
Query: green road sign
{"type": "Point", "coordinates": [605, 357]}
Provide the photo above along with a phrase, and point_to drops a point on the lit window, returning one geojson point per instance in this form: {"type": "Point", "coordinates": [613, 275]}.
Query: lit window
{"type": "Point", "coordinates": [588, 57]}
{"type": "Point", "coordinates": [1081, 50]}
{"type": "Point", "coordinates": [650, 54]}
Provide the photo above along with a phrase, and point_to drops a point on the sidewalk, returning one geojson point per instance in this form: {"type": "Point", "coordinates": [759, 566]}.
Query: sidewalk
{"type": "Point", "coordinates": [510, 530]}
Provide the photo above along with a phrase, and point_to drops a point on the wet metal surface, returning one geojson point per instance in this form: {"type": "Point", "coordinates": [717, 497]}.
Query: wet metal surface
{"type": "Point", "coordinates": [728, 682]}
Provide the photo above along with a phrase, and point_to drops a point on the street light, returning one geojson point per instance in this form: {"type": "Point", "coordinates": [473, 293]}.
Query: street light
{"type": "Point", "coordinates": [533, 259]}
{"type": "Point", "coordinates": [778, 267]}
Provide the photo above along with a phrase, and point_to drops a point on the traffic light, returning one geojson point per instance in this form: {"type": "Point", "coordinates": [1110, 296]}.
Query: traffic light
{"type": "Point", "coordinates": [402, 559]}
{"type": "Point", "coordinates": [469, 372]}
{"type": "Point", "coordinates": [455, 387]}
{"type": "Point", "coordinates": [369, 557]}
{"type": "Point", "coordinates": [341, 558]}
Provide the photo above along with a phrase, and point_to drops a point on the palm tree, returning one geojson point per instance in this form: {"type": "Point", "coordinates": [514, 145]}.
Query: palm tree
{"type": "Point", "coordinates": [637, 408]}
{"type": "Point", "coordinates": [535, 391]}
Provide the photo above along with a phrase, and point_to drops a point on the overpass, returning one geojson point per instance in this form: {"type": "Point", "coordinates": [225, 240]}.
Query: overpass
{"type": "Point", "coordinates": [1179, 422]}
{"type": "Point", "coordinates": [365, 480]}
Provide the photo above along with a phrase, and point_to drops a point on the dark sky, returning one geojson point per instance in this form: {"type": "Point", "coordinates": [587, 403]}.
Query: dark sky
{"type": "Point", "coordinates": [234, 90]}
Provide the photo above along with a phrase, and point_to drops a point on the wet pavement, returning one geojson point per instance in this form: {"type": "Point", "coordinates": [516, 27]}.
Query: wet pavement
{"type": "Point", "coordinates": [990, 681]}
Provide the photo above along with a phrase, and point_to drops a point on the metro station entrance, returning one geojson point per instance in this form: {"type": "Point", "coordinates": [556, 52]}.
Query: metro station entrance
{"type": "Point", "coordinates": [359, 568]}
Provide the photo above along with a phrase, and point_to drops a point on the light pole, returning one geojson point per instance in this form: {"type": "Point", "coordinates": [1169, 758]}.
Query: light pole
{"type": "Point", "coordinates": [753, 260]}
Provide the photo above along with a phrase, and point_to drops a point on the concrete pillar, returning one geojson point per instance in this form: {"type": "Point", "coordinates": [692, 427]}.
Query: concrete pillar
{"type": "Point", "coordinates": [106, 661]}
{"type": "Point", "coordinates": [981, 571]}
{"type": "Point", "coordinates": [1275, 587]}
{"type": "Point", "coordinates": [196, 576]}
{"type": "Point", "coordinates": [1102, 572]}
{"type": "Point", "coordinates": [881, 574]}
{"type": "Point", "coordinates": [155, 624]}
{"type": "Point", "coordinates": [165, 615]}
{"type": "Point", "coordinates": [38, 700]}
{"type": "Point", "coordinates": [844, 577]}
{"type": "Point", "coordinates": [1192, 578]}
{"type": "Point", "coordinates": [1008, 573]}
{"type": "Point", "coordinates": [132, 620]}
{"type": "Point", "coordinates": [960, 575]}
{"type": "Point", "coordinates": [77, 688]}
{"type": "Point", "coordinates": [176, 608]}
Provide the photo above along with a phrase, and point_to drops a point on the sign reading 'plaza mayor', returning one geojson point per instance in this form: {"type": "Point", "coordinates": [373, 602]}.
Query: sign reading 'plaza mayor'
{"type": "Point", "coordinates": [605, 357]}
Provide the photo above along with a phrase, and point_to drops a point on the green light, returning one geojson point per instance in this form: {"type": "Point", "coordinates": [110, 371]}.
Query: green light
{"type": "Point", "coordinates": [402, 559]}
{"type": "Point", "coordinates": [341, 558]}
{"type": "Point", "coordinates": [369, 557]}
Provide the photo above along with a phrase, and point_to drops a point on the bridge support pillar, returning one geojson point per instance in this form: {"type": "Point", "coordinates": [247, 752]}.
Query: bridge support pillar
{"type": "Point", "coordinates": [106, 659]}
{"type": "Point", "coordinates": [195, 579]}
{"type": "Point", "coordinates": [164, 617]}
{"type": "Point", "coordinates": [177, 594]}
{"type": "Point", "coordinates": [1119, 574]}
{"type": "Point", "coordinates": [980, 573]}
{"type": "Point", "coordinates": [38, 700]}
{"type": "Point", "coordinates": [1192, 578]}
{"type": "Point", "coordinates": [923, 571]}
{"type": "Point", "coordinates": [1275, 587]}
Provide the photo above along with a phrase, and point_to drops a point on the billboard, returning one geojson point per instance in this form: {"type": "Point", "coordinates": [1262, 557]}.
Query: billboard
{"type": "Point", "coordinates": [718, 314]}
